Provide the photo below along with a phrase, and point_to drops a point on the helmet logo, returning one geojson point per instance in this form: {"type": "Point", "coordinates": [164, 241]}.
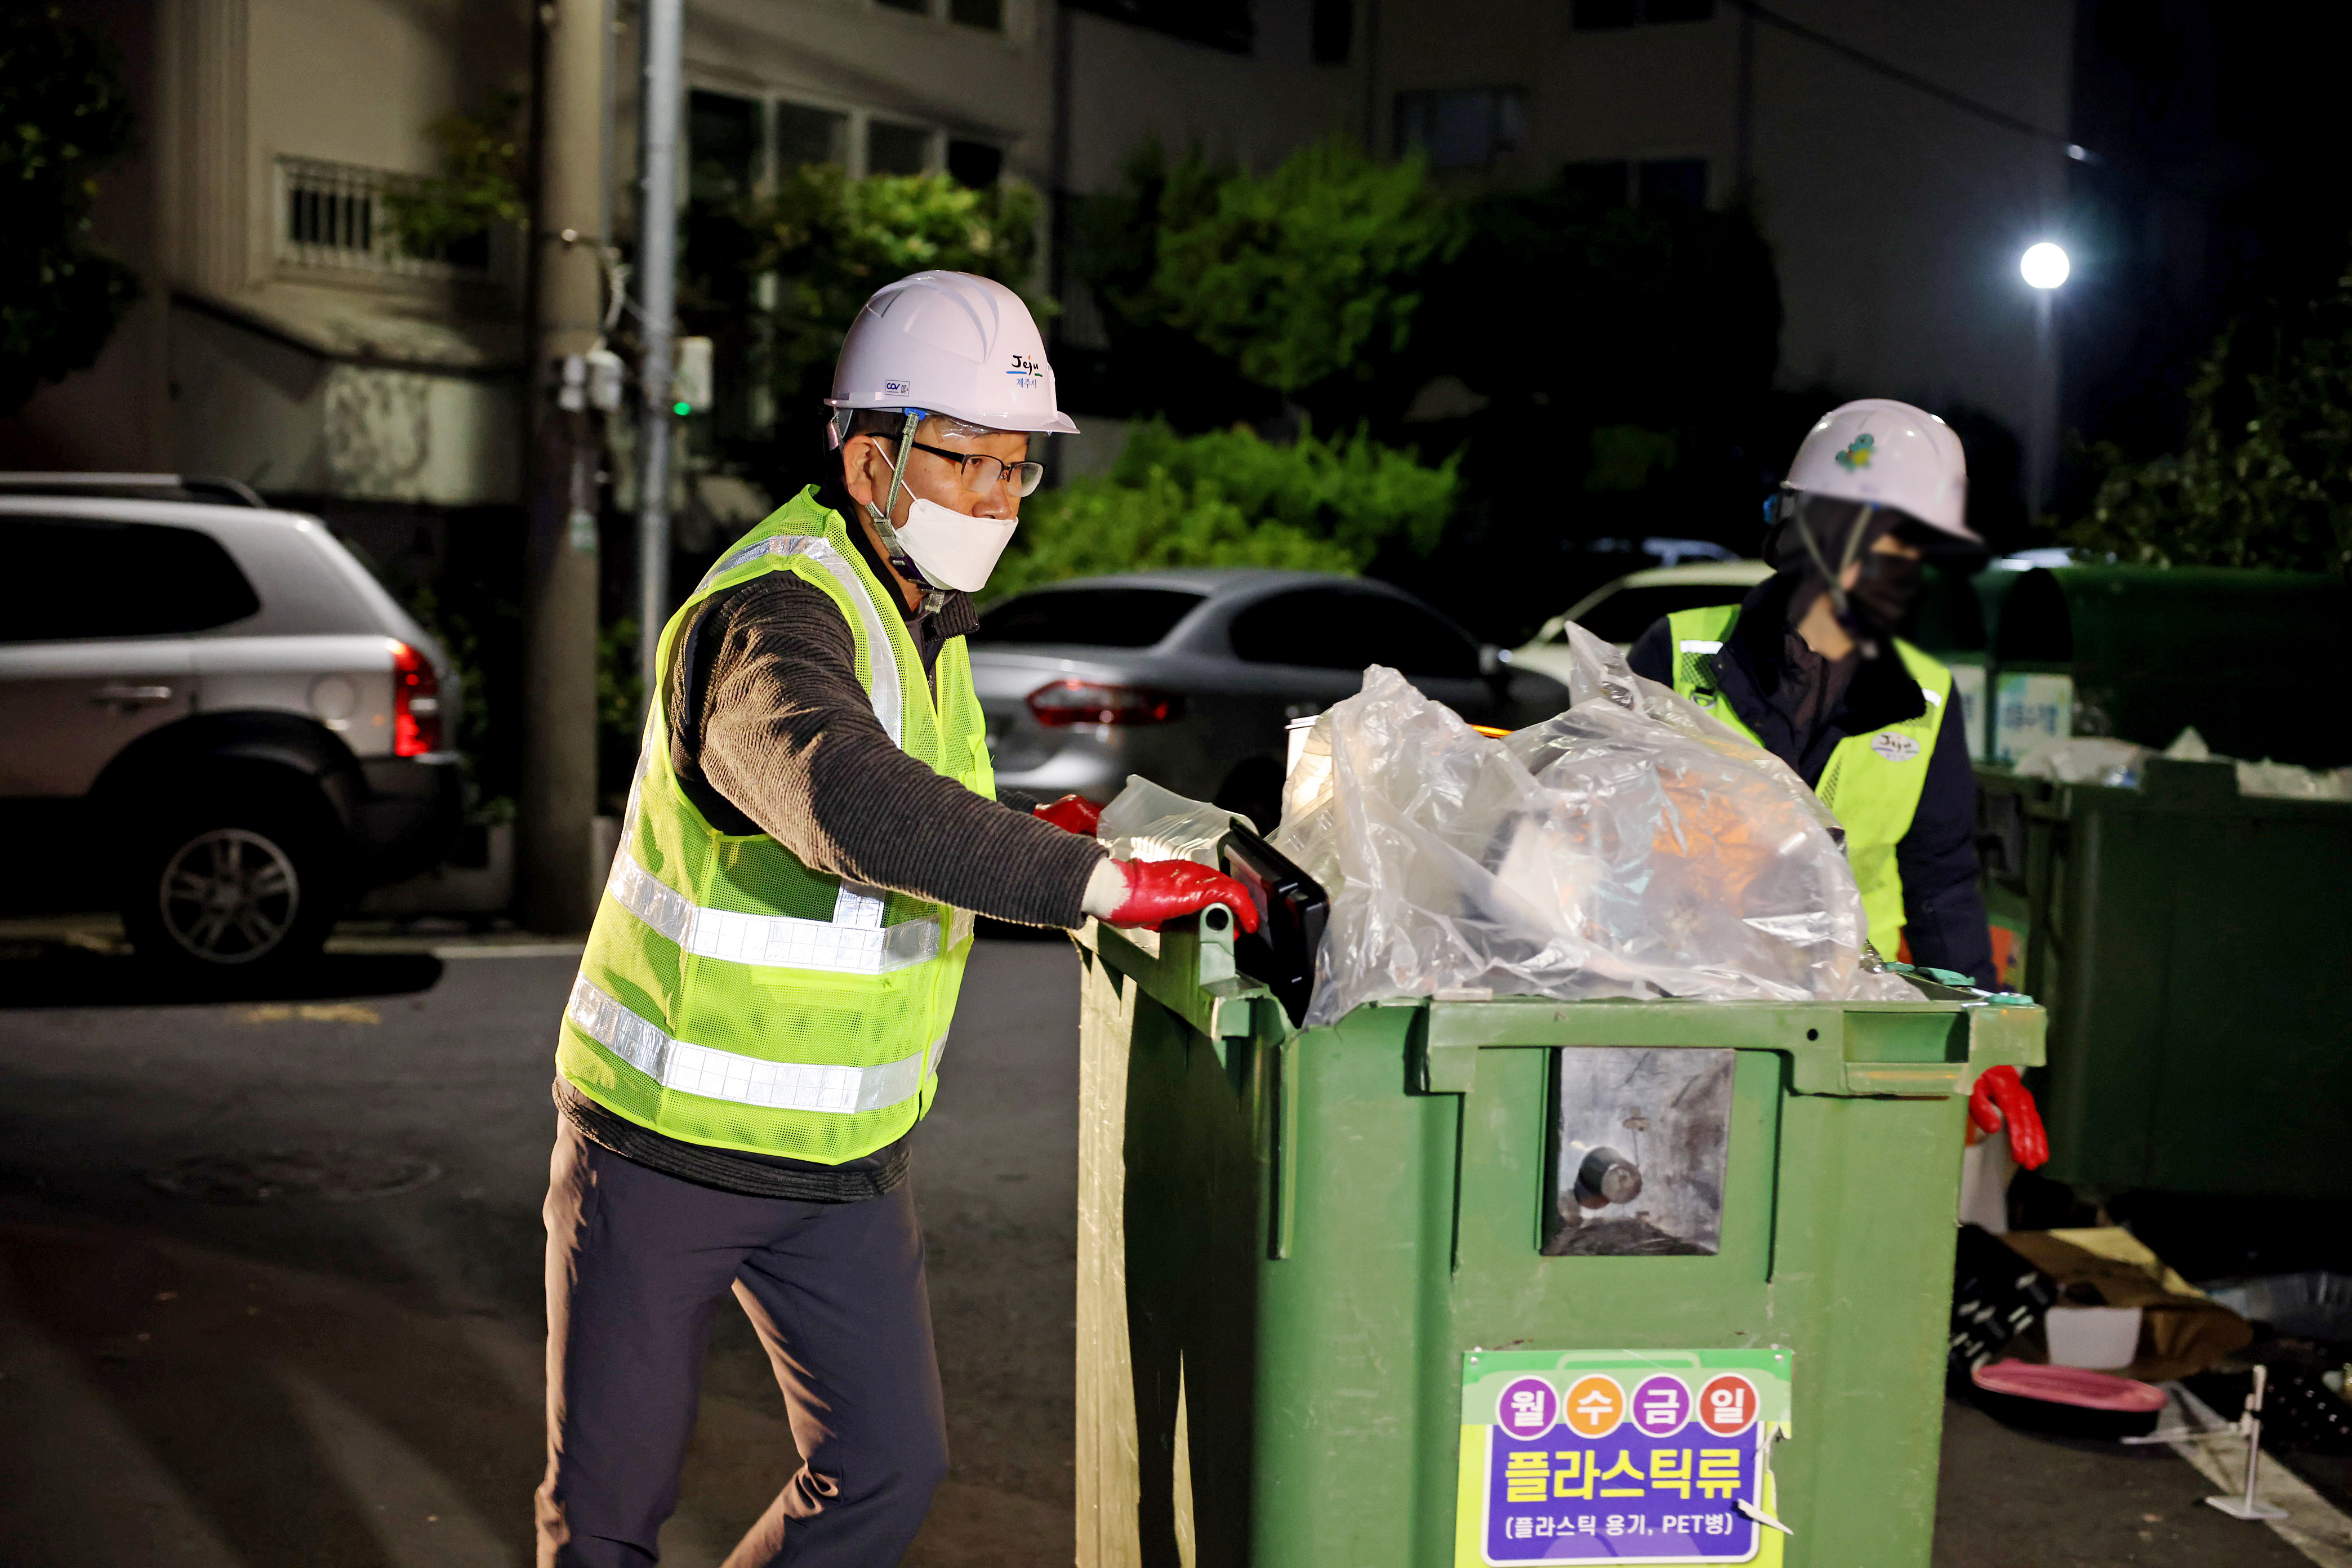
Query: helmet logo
{"type": "Point", "coordinates": [1025, 370]}
{"type": "Point", "coordinates": [898, 389]}
{"type": "Point", "coordinates": [1858, 454]}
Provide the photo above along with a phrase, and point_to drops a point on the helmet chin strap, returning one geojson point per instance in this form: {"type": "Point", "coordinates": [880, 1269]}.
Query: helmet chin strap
{"type": "Point", "coordinates": [892, 550]}
{"type": "Point", "coordinates": [1846, 557]}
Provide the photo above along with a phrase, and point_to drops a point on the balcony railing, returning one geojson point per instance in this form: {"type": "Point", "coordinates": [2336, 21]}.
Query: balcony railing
{"type": "Point", "coordinates": [336, 215]}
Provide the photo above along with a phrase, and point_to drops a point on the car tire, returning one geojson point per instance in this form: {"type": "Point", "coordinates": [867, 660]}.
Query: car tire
{"type": "Point", "coordinates": [235, 890]}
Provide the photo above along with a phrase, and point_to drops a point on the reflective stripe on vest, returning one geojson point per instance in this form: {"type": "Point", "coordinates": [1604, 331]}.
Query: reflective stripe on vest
{"type": "Point", "coordinates": [747, 1080]}
{"type": "Point", "coordinates": [1871, 782]}
{"type": "Point", "coordinates": [855, 941]}
{"type": "Point", "coordinates": [889, 702]}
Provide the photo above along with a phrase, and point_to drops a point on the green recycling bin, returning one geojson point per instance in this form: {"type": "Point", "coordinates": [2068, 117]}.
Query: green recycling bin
{"type": "Point", "coordinates": [1511, 1281]}
{"type": "Point", "coordinates": [2180, 935]}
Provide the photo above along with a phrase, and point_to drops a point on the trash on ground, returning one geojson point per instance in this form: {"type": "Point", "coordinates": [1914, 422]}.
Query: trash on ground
{"type": "Point", "coordinates": [2314, 1305]}
{"type": "Point", "coordinates": [2181, 1330]}
{"type": "Point", "coordinates": [2067, 1401]}
{"type": "Point", "coordinates": [2100, 1339]}
{"type": "Point", "coordinates": [1997, 1296]}
{"type": "Point", "coordinates": [1630, 847]}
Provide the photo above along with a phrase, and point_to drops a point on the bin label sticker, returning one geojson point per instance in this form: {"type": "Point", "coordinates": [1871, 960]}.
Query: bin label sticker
{"type": "Point", "coordinates": [1656, 1457]}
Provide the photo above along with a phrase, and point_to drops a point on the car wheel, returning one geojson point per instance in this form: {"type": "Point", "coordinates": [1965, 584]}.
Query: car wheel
{"type": "Point", "coordinates": [233, 892]}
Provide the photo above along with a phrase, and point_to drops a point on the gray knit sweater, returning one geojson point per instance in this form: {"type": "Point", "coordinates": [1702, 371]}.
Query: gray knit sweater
{"type": "Point", "coordinates": [771, 732]}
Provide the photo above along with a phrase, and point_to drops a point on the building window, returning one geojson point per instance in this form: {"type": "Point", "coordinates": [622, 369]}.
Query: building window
{"type": "Point", "coordinates": [806, 136]}
{"type": "Point", "coordinates": [1466, 128]}
{"type": "Point", "coordinates": [722, 139]}
{"type": "Point", "coordinates": [1599, 183]}
{"type": "Point", "coordinates": [1599, 16]}
{"type": "Point", "coordinates": [1332, 21]}
{"type": "Point", "coordinates": [334, 214]}
{"type": "Point", "coordinates": [1671, 183]}
{"type": "Point", "coordinates": [987, 14]}
{"type": "Point", "coordinates": [895, 149]}
{"type": "Point", "coordinates": [1654, 183]}
{"type": "Point", "coordinates": [974, 164]}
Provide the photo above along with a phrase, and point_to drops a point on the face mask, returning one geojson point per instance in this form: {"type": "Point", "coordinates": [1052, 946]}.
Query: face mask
{"type": "Point", "coordinates": [951, 549]}
{"type": "Point", "coordinates": [1887, 588]}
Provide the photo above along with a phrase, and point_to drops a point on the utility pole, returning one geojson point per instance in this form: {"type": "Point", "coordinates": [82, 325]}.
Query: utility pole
{"type": "Point", "coordinates": [570, 216]}
{"type": "Point", "coordinates": [664, 22]}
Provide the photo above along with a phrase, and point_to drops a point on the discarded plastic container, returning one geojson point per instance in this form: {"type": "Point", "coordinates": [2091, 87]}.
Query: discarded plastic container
{"type": "Point", "coordinates": [1510, 1280]}
{"type": "Point", "coordinates": [2099, 1339]}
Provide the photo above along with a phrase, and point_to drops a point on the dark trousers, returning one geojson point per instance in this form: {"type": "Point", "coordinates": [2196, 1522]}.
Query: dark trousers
{"type": "Point", "coordinates": [636, 1265]}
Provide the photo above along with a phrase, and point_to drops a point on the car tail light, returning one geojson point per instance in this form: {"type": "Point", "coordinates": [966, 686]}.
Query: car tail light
{"type": "Point", "coordinates": [1090, 702]}
{"type": "Point", "coordinates": [415, 703]}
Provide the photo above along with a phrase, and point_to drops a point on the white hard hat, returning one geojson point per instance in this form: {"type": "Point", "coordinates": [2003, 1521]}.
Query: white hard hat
{"type": "Point", "coordinates": [951, 343]}
{"type": "Point", "coordinates": [1888, 454]}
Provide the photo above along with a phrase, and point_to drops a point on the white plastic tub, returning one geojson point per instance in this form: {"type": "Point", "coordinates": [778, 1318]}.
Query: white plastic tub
{"type": "Point", "coordinates": [2097, 1339]}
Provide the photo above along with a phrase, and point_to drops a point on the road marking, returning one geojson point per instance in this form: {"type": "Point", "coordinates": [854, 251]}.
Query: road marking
{"type": "Point", "coordinates": [513, 950]}
{"type": "Point", "coordinates": [2314, 1525]}
{"type": "Point", "coordinates": [313, 1013]}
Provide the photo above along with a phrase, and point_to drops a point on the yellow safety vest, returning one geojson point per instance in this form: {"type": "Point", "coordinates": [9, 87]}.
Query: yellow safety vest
{"type": "Point", "coordinates": [731, 996]}
{"type": "Point", "coordinates": [1871, 782]}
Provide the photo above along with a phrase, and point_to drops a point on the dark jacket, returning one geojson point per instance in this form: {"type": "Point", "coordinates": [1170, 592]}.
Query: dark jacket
{"type": "Point", "coordinates": [1943, 910]}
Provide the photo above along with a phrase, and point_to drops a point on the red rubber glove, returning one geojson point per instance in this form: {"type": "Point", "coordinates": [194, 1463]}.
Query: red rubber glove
{"type": "Point", "coordinates": [1162, 890]}
{"type": "Point", "coordinates": [1999, 1099]}
{"type": "Point", "coordinates": [1072, 814]}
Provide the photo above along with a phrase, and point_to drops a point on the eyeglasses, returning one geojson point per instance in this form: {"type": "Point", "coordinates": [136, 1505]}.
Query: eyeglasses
{"type": "Point", "coordinates": [980, 473]}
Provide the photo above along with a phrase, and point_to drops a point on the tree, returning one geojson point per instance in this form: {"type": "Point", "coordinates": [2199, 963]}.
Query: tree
{"type": "Point", "coordinates": [480, 185]}
{"type": "Point", "coordinates": [63, 117]}
{"type": "Point", "coordinates": [1228, 499]}
{"type": "Point", "coordinates": [1226, 295]}
{"type": "Point", "coordinates": [2262, 478]}
{"type": "Point", "coordinates": [831, 241]}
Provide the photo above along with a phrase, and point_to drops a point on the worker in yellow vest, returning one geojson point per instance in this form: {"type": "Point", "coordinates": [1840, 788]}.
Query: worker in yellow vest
{"type": "Point", "coordinates": [759, 1019]}
{"type": "Point", "coordinates": [1808, 667]}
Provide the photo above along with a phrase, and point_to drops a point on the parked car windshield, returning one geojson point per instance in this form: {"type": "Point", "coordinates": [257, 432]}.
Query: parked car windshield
{"type": "Point", "coordinates": [73, 578]}
{"type": "Point", "coordinates": [1625, 615]}
{"type": "Point", "coordinates": [1094, 617]}
{"type": "Point", "coordinates": [1348, 628]}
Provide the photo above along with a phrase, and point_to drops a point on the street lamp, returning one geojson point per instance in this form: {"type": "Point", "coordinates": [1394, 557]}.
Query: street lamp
{"type": "Point", "coordinates": [2044, 265]}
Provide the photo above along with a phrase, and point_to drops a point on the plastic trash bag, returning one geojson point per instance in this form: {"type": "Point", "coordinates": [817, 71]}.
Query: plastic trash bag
{"type": "Point", "coordinates": [1149, 823]}
{"type": "Point", "coordinates": [2086, 759]}
{"type": "Point", "coordinates": [1630, 847]}
{"type": "Point", "coordinates": [2274, 781]}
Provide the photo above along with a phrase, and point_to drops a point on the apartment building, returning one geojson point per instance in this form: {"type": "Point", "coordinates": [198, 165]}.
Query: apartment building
{"type": "Point", "coordinates": [1897, 157]}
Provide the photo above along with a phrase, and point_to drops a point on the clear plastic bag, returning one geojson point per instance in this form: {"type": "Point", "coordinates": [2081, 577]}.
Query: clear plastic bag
{"type": "Point", "coordinates": [1630, 847]}
{"type": "Point", "coordinates": [1146, 822]}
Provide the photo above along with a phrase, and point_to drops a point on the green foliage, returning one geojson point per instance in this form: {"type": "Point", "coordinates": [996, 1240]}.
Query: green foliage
{"type": "Point", "coordinates": [480, 185]}
{"type": "Point", "coordinates": [1228, 498]}
{"type": "Point", "coordinates": [64, 116]}
{"type": "Point", "coordinates": [1312, 272]}
{"type": "Point", "coordinates": [831, 241]}
{"type": "Point", "coordinates": [2264, 477]}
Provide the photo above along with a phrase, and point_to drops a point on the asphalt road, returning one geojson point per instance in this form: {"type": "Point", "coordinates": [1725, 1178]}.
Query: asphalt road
{"type": "Point", "coordinates": [270, 1290]}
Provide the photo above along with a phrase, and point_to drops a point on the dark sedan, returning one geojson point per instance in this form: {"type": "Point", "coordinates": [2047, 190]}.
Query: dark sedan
{"type": "Point", "coordinates": [1189, 678]}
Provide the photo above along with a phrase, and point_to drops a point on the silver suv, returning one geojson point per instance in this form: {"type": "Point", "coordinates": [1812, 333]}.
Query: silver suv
{"type": "Point", "coordinates": [212, 717]}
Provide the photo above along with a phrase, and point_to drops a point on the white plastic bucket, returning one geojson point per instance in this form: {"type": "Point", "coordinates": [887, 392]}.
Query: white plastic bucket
{"type": "Point", "coordinates": [2097, 1339]}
